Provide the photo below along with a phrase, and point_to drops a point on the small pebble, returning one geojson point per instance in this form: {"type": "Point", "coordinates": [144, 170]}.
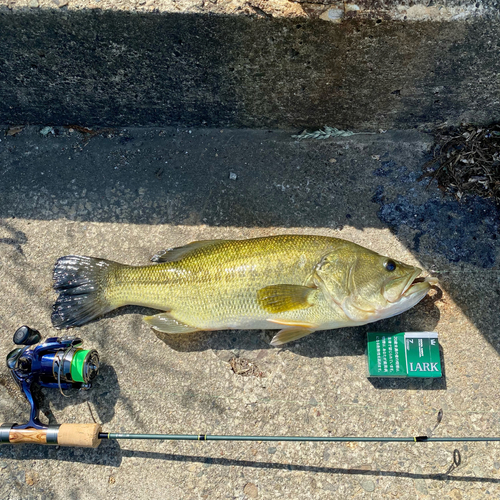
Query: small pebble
{"type": "Point", "coordinates": [46, 131]}
{"type": "Point", "coordinates": [251, 490]}
{"type": "Point", "coordinates": [368, 485]}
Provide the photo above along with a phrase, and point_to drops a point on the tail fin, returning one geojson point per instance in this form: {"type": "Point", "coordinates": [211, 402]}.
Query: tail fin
{"type": "Point", "coordinates": [81, 284]}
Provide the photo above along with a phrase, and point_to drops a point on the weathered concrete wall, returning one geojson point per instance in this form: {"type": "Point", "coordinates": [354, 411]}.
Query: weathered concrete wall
{"type": "Point", "coordinates": [114, 67]}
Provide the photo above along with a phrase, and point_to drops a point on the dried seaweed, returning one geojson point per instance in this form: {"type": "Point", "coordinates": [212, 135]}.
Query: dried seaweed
{"type": "Point", "coordinates": [324, 133]}
{"type": "Point", "coordinates": [466, 160]}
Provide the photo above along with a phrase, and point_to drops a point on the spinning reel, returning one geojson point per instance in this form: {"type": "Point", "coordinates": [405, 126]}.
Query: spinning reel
{"type": "Point", "coordinates": [58, 362]}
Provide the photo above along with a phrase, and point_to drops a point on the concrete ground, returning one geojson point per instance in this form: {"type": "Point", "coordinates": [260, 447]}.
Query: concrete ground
{"type": "Point", "coordinates": [128, 193]}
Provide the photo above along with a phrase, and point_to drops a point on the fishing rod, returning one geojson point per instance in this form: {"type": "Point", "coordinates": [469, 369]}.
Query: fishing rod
{"type": "Point", "coordinates": [315, 439]}
{"type": "Point", "coordinates": [61, 362]}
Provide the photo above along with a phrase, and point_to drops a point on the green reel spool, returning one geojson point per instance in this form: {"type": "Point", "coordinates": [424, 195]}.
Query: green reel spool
{"type": "Point", "coordinates": [84, 365]}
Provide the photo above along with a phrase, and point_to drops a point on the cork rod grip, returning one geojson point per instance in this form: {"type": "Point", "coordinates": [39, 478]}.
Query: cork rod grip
{"type": "Point", "coordinates": [83, 435]}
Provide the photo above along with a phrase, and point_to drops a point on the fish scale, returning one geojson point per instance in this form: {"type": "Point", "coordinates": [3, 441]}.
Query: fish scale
{"type": "Point", "coordinates": [218, 284]}
{"type": "Point", "coordinates": [299, 283]}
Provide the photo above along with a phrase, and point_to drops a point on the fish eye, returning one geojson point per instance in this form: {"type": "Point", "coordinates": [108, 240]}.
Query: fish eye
{"type": "Point", "coordinates": [390, 265]}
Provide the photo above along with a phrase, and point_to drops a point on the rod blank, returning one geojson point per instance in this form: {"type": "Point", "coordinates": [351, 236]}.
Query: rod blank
{"type": "Point", "coordinates": [205, 437]}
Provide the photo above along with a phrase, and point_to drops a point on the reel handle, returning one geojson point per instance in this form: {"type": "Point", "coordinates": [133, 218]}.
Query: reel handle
{"type": "Point", "coordinates": [81, 435]}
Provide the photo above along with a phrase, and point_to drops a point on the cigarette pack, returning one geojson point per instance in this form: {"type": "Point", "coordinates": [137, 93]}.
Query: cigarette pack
{"type": "Point", "coordinates": [404, 354]}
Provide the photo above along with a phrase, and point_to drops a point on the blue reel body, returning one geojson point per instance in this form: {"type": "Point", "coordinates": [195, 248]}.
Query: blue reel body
{"type": "Point", "coordinates": [58, 362]}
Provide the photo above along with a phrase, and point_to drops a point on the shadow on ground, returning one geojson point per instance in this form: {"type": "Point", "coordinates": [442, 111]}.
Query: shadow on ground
{"type": "Point", "coordinates": [110, 453]}
{"type": "Point", "coordinates": [98, 404]}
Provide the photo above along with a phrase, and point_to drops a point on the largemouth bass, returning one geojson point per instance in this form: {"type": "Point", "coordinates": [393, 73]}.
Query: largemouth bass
{"type": "Point", "coordinates": [297, 284]}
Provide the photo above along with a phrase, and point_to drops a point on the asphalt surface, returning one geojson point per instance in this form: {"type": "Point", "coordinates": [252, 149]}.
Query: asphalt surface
{"type": "Point", "coordinates": [128, 193]}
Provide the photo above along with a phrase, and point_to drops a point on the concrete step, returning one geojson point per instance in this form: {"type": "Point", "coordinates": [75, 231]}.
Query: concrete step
{"type": "Point", "coordinates": [366, 66]}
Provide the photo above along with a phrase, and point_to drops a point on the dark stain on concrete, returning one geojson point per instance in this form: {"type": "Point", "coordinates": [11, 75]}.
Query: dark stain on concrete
{"type": "Point", "coordinates": [461, 232]}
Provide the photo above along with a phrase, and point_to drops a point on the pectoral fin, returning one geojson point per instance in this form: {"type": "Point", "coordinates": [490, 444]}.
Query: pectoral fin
{"type": "Point", "coordinates": [164, 322]}
{"type": "Point", "coordinates": [293, 322]}
{"type": "Point", "coordinates": [281, 298]}
{"type": "Point", "coordinates": [289, 334]}
{"type": "Point", "coordinates": [176, 254]}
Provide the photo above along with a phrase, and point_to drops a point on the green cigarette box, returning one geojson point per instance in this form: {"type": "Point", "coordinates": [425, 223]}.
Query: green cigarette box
{"type": "Point", "coordinates": [404, 354]}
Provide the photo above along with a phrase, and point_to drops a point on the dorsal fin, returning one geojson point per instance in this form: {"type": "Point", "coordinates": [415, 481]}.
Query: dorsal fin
{"type": "Point", "coordinates": [178, 253]}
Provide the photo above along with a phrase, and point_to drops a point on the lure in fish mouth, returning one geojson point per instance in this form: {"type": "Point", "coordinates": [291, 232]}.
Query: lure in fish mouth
{"type": "Point", "coordinates": [295, 283]}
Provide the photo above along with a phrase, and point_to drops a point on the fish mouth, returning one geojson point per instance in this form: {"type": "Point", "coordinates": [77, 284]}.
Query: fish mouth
{"type": "Point", "coordinates": [419, 285]}
{"type": "Point", "coordinates": [402, 287]}
{"type": "Point", "coordinates": [415, 290]}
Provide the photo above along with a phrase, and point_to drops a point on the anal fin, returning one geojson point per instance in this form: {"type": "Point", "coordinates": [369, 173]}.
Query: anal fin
{"type": "Point", "coordinates": [165, 322]}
